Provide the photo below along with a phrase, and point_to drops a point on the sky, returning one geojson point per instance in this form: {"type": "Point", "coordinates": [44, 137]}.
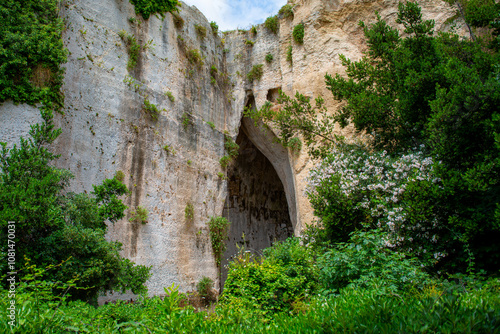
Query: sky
{"type": "Point", "coordinates": [233, 14]}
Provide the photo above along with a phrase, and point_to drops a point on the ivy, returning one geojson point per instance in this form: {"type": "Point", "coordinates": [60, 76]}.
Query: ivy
{"type": "Point", "coordinates": [218, 227]}
{"type": "Point", "coordinates": [148, 7]}
{"type": "Point", "coordinates": [31, 52]}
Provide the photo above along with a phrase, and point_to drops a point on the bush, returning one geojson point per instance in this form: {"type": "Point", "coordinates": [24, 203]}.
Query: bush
{"type": "Point", "coordinates": [140, 215]}
{"type": "Point", "coordinates": [286, 11]}
{"type": "Point", "coordinates": [32, 53]}
{"type": "Point", "coordinates": [298, 33]}
{"type": "Point", "coordinates": [195, 58]}
{"type": "Point", "coordinates": [255, 73]}
{"type": "Point", "coordinates": [269, 58]}
{"type": "Point", "coordinates": [289, 55]}
{"type": "Point", "coordinates": [366, 262]}
{"type": "Point", "coordinates": [201, 31]}
{"type": "Point", "coordinates": [149, 7]}
{"type": "Point", "coordinates": [215, 27]}
{"type": "Point", "coordinates": [272, 24]}
{"type": "Point", "coordinates": [189, 210]}
{"type": "Point", "coordinates": [205, 288]}
{"type": "Point", "coordinates": [218, 227]}
{"type": "Point", "coordinates": [178, 20]}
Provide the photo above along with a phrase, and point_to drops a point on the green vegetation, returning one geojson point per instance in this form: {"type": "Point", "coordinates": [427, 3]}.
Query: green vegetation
{"type": "Point", "coordinates": [120, 176]}
{"type": "Point", "coordinates": [189, 211]}
{"type": "Point", "coordinates": [253, 30]}
{"type": "Point", "coordinates": [298, 33]}
{"type": "Point", "coordinates": [140, 215]}
{"type": "Point", "coordinates": [255, 73]}
{"type": "Point", "coordinates": [215, 27]}
{"type": "Point", "coordinates": [269, 58]}
{"type": "Point", "coordinates": [289, 55]}
{"type": "Point", "coordinates": [151, 109]}
{"type": "Point", "coordinates": [31, 53]}
{"type": "Point", "coordinates": [55, 227]}
{"type": "Point", "coordinates": [218, 227]}
{"type": "Point", "coordinates": [272, 24]}
{"type": "Point", "coordinates": [149, 7]}
{"type": "Point", "coordinates": [201, 31]}
{"type": "Point", "coordinates": [221, 175]}
{"type": "Point", "coordinates": [169, 149]}
{"type": "Point", "coordinates": [195, 58]}
{"type": "Point", "coordinates": [133, 48]}
{"type": "Point", "coordinates": [186, 120]}
{"type": "Point", "coordinates": [205, 289]}
{"type": "Point", "coordinates": [170, 96]}
{"type": "Point", "coordinates": [249, 42]}
{"type": "Point", "coordinates": [224, 161]}
{"type": "Point", "coordinates": [287, 11]}
{"type": "Point", "coordinates": [211, 124]}
{"type": "Point", "coordinates": [178, 20]}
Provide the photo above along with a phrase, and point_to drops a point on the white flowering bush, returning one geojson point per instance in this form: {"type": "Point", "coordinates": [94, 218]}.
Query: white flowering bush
{"type": "Point", "coordinates": [354, 189]}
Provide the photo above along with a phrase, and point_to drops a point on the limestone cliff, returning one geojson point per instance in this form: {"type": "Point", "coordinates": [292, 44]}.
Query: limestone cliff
{"type": "Point", "coordinates": [173, 162]}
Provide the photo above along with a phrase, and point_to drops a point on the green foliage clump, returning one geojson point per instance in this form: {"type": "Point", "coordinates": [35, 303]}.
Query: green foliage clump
{"type": "Point", "coordinates": [272, 24]}
{"type": "Point", "coordinates": [31, 53]}
{"type": "Point", "coordinates": [365, 262]}
{"type": "Point", "coordinates": [211, 124]}
{"type": "Point", "coordinates": [218, 228]}
{"type": "Point", "coordinates": [286, 11]}
{"type": "Point", "coordinates": [186, 120]}
{"type": "Point", "coordinates": [224, 161]}
{"type": "Point", "coordinates": [269, 58]}
{"type": "Point", "coordinates": [151, 109]}
{"type": "Point", "coordinates": [253, 30]}
{"type": "Point", "coordinates": [189, 211]}
{"type": "Point", "coordinates": [285, 275]}
{"type": "Point", "coordinates": [230, 146]}
{"type": "Point", "coordinates": [178, 20]}
{"type": "Point", "coordinates": [169, 149]}
{"type": "Point", "coordinates": [298, 33]}
{"type": "Point", "coordinates": [249, 42]}
{"type": "Point", "coordinates": [215, 27]}
{"type": "Point", "coordinates": [195, 58]}
{"type": "Point", "coordinates": [205, 289]}
{"type": "Point", "coordinates": [201, 31]}
{"type": "Point", "coordinates": [289, 55]}
{"type": "Point", "coordinates": [170, 96]}
{"type": "Point", "coordinates": [148, 7]}
{"type": "Point", "coordinates": [140, 215]}
{"type": "Point", "coordinates": [55, 227]}
{"type": "Point", "coordinates": [133, 48]}
{"type": "Point", "coordinates": [255, 73]}
{"type": "Point", "coordinates": [120, 176]}
{"type": "Point", "coordinates": [295, 144]}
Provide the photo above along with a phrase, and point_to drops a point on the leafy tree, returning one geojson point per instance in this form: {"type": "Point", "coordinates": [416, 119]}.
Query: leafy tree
{"type": "Point", "coordinates": [53, 227]}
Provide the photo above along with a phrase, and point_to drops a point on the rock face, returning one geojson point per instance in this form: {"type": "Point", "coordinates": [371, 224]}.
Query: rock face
{"type": "Point", "coordinates": [173, 162]}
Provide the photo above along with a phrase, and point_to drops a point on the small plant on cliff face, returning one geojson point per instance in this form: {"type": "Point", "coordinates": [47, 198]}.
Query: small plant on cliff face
{"type": "Point", "coordinates": [286, 11]}
{"type": "Point", "coordinates": [298, 33]}
{"type": "Point", "coordinates": [269, 58]}
{"type": "Point", "coordinates": [221, 175]}
{"type": "Point", "coordinates": [186, 121]}
{"type": "Point", "coordinates": [151, 109]}
{"type": "Point", "coordinates": [205, 289]}
{"type": "Point", "coordinates": [253, 30]}
{"type": "Point", "coordinates": [272, 24]}
{"type": "Point", "coordinates": [133, 48]}
{"type": "Point", "coordinates": [120, 176]}
{"type": "Point", "coordinates": [189, 211]}
{"type": "Point", "coordinates": [140, 215]}
{"type": "Point", "coordinates": [170, 96]}
{"type": "Point", "coordinates": [212, 125]}
{"type": "Point", "coordinates": [201, 31]}
{"type": "Point", "coordinates": [249, 42]}
{"type": "Point", "coordinates": [169, 149]}
{"type": "Point", "coordinates": [149, 7]}
{"type": "Point", "coordinates": [218, 227]}
{"type": "Point", "coordinates": [215, 27]}
{"type": "Point", "coordinates": [255, 73]}
{"type": "Point", "coordinates": [224, 161]}
{"type": "Point", "coordinates": [195, 58]}
{"type": "Point", "coordinates": [178, 20]}
{"type": "Point", "coordinates": [289, 55]}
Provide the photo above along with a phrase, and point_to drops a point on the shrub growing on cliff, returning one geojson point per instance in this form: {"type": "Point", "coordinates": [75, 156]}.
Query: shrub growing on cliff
{"type": "Point", "coordinates": [218, 228]}
{"type": "Point", "coordinates": [298, 33]}
{"type": "Point", "coordinates": [255, 73]}
{"type": "Point", "coordinates": [201, 31]}
{"type": "Point", "coordinates": [149, 7]}
{"type": "Point", "coordinates": [286, 11]}
{"type": "Point", "coordinates": [272, 24]}
{"type": "Point", "coordinates": [32, 52]}
{"type": "Point", "coordinates": [215, 28]}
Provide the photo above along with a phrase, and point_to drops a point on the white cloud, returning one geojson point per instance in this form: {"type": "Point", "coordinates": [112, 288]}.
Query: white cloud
{"type": "Point", "coordinates": [234, 14]}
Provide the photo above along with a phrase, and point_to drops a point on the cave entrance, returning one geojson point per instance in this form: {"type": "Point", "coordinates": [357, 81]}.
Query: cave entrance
{"type": "Point", "coordinates": [257, 203]}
